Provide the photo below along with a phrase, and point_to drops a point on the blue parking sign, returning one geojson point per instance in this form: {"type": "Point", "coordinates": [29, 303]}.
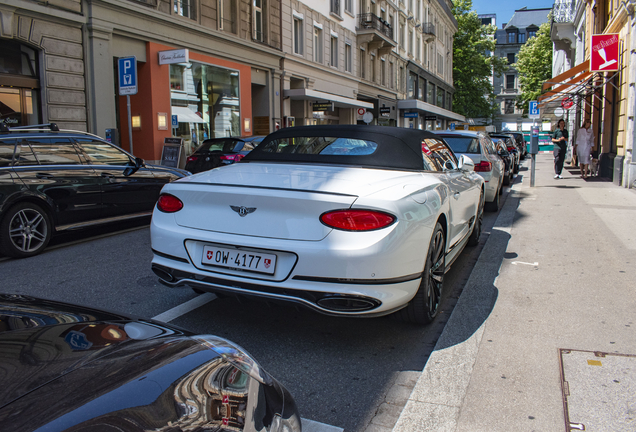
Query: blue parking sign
{"type": "Point", "coordinates": [127, 75]}
{"type": "Point", "coordinates": [175, 121]}
{"type": "Point", "coordinates": [533, 109]}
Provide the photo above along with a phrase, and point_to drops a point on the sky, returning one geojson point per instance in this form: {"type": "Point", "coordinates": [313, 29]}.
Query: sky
{"type": "Point", "coordinates": [506, 8]}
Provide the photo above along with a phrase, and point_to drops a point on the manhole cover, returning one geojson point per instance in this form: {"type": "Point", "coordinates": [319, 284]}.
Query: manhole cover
{"type": "Point", "coordinates": [599, 391]}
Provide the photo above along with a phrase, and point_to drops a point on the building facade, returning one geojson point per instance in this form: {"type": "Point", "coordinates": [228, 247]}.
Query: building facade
{"type": "Point", "coordinates": [509, 39]}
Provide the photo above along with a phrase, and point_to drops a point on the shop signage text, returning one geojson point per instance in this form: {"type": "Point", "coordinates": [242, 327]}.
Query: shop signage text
{"type": "Point", "coordinates": [322, 106]}
{"type": "Point", "coordinates": [410, 115]}
{"type": "Point", "coordinates": [385, 111]}
{"type": "Point", "coordinates": [427, 118]}
{"type": "Point", "coordinates": [174, 56]}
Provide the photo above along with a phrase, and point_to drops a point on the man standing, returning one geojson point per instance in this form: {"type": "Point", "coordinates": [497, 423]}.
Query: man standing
{"type": "Point", "coordinates": [560, 139]}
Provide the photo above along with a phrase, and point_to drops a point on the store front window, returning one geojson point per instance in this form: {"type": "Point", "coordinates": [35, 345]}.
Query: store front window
{"type": "Point", "coordinates": [19, 85]}
{"type": "Point", "coordinates": [205, 99]}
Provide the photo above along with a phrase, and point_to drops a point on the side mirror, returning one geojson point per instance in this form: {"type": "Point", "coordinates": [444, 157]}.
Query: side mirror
{"type": "Point", "coordinates": [139, 162]}
{"type": "Point", "coordinates": [466, 163]}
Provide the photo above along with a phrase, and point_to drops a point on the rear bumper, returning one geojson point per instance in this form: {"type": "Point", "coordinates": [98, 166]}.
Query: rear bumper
{"type": "Point", "coordinates": [335, 276]}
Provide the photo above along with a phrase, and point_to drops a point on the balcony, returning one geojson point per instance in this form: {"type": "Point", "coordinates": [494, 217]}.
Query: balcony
{"type": "Point", "coordinates": [374, 30]}
{"type": "Point", "coordinates": [428, 29]}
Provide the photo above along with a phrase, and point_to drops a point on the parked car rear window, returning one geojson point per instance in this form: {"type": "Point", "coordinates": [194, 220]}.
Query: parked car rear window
{"type": "Point", "coordinates": [461, 144]}
{"type": "Point", "coordinates": [220, 145]}
{"type": "Point", "coordinates": [327, 146]}
{"type": "Point", "coordinates": [6, 152]}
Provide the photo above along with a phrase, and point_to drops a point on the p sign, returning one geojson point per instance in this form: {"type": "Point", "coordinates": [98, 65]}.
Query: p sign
{"type": "Point", "coordinates": [533, 109]}
{"type": "Point", "coordinates": [127, 76]}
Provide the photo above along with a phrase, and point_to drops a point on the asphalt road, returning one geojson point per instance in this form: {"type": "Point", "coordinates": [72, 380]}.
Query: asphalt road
{"type": "Point", "coordinates": [338, 369]}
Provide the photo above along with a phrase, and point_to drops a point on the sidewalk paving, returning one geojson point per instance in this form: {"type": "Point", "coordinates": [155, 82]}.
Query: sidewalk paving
{"type": "Point", "coordinates": [543, 337]}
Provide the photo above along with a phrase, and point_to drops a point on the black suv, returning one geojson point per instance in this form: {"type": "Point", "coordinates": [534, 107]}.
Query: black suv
{"type": "Point", "coordinates": [52, 180]}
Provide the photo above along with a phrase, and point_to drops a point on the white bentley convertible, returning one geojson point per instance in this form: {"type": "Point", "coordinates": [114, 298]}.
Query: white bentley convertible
{"type": "Point", "coordinates": [346, 220]}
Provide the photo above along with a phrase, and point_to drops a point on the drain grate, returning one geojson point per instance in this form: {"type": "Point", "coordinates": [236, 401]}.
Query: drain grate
{"type": "Point", "coordinates": [599, 391]}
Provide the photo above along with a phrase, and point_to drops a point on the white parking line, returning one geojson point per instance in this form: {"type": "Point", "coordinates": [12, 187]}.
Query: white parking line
{"type": "Point", "coordinates": [184, 308]}
{"type": "Point", "coordinates": [314, 426]}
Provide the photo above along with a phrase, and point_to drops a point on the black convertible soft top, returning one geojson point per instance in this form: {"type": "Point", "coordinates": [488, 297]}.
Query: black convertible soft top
{"type": "Point", "coordinates": [397, 148]}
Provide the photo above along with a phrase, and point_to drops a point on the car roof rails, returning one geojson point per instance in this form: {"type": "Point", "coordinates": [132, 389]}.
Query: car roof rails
{"type": "Point", "coordinates": [51, 126]}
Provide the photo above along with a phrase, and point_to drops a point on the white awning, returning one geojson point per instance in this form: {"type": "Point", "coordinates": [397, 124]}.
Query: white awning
{"type": "Point", "coordinates": [186, 115]}
{"type": "Point", "coordinates": [418, 105]}
{"type": "Point", "coordinates": [315, 95]}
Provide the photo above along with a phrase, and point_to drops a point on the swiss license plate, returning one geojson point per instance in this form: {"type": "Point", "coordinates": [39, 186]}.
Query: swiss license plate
{"type": "Point", "coordinates": [239, 259]}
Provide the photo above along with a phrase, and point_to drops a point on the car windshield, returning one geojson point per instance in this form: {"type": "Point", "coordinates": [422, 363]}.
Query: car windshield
{"type": "Point", "coordinates": [321, 146]}
{"type": "Point", "coordinates": [462, 144]}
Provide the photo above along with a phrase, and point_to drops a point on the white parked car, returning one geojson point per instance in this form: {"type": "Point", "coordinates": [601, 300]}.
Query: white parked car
{"type": "Point", "coordinates": [480, 148]}
{"type": "Point", "coordinates": [346, 220]}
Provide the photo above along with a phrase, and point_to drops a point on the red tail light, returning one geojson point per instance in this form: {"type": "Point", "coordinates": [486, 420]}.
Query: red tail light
{"type": "Point", "coordinates": [511, 148]}
{"type": "Point", "coordinates": [192, 158]}
{"type": "Point", "coordinates": [233, 158]}
{"type": "Point", "coordinates": [169, 203]}
{"type": "Point", "coordinates": [357, 220]}
{"type": "Point", "coordinates": [483, 166]}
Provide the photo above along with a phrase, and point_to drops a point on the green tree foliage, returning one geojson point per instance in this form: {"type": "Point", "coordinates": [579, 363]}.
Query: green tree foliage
{"type": "Point", "coordinates": [473, 65]}
{"type": "Point", "coordinates": [534, 64]}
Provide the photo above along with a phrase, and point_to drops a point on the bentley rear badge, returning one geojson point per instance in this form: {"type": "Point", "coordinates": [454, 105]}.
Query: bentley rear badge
{"type": "Point", "coordinates": [243, 211]}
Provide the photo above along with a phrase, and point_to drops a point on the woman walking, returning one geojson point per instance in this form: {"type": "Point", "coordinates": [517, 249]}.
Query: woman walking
{"type": "Point", "coordinates": [560, 139]}
{"type": "Point", "coordinates": [584, 142]}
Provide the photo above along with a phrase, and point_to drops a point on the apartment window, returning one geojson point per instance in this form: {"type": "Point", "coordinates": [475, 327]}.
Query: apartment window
{"type": "Point", "coordinates": [532, 33]}
{"type": "Point", "coordinates": [402, 44]}
{"type": "Point", "coordinates": [512, 37]}
{"type": "Point", "coordinates": [349, 6]}
{"type": "Point", "coordinates": [419, 9]}
{"type": "Point", "coordinates": [448, 101]}
{"type": "Point", "coordinates": [184, 8]}
{"type": "Point", "coordinates": [258, 20]}
{"type": "Point", "coordinates": [511, 58]}
{"type": "Point", "coordinates": [440, 97]}
{"type": "Point", "coordinates": [401, 79]}
{"type": "Point", "coordinates": [335, 7]}
{"type": "Point", "coordinates": [411, 7]}
{"type": "Point", "coordinates": [421, 87]}
{"type": "Point", "coordinates": [411, 42]}
{"type": "Point", "coordinates": [510, 82]}
{"type": "Point", "coordinates": [430, 93]}
{"type": "Point", "coordinates": [510, 106]}
{"type": "Point", "coordinates": [348, 58]}
{"type": "Point", "coordinates": [410, 90]}
{"type": "Point", "coordinates": [228, 16]}
{"type": "Point", "coordinates": [318, 45]}
{"type": "Point", "coordinates": [298, 36]}
{"type": "Point", "coordinates": [373, 67]}
{"type": "Point", "coordinates": [334, 51]}
{"type": "Point", "coordinates": [521, 37]}
{"type": "Point", "coordinates": [391, 75]}
{"type": "Point", "coordinates": [418, 47]}
{"type": "Point", "coordinates": [440, 63]}
{"type": "Point", "coordinates": [383, 72]}
{"type": "Point", "coordinates": [176, 77]}
{"type": "Point", "coordinates": [363, 64]}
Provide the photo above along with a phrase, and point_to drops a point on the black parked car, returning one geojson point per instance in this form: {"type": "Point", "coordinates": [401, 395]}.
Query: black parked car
{"type": "Point", "coordinates": [52, 180]}
{"type": "Point", "coordinates": [521, 143]}
{"type": "Point", "coordinates": [73, 368]}
{"type": "Point", "coordinates": [505, 155]}
{"type": "Point", "coordinates": [220, 151]}
{"type": "Point", "coordinates": [511, 146]}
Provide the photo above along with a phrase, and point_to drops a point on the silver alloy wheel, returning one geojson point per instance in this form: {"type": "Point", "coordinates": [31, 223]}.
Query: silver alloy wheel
{"type": "Point", "coordinates": [28, 230]}
{"type": "Point", "coordinates": [436, 274]}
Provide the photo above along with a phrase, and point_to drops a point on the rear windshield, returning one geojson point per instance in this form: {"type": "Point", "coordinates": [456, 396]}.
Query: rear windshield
{"type": "Point", "coordinates": [462, 144]}
{"type": "Point", "coordinates": [328, 146]}
{"type": "Point", "coordinates": [220, 145]}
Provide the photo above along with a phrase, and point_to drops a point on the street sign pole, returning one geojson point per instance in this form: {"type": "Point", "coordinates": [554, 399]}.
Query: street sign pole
{"type": "Point", "coordinates": [534, 158]}
{"type": "Point", "coordinates": [128, 86]}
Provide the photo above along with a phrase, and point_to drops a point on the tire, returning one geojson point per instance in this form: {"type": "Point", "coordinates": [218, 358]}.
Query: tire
{"type": "Point", "coordinates": [493, 206]}
{"type": "Point", "coordinates": [424, 306]}
{"type": "Point", "coordinates": [507, 179]}
{"type": "Point", "coordinates": [473, 240]}
{"type": "Point", "coordinates": [25, 230]}
{"type": "Point", "coordinates": [516, 171]}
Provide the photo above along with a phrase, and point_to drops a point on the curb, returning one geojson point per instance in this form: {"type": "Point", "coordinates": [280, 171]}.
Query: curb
{"type": "Point", "coordinates": [436, 399]}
